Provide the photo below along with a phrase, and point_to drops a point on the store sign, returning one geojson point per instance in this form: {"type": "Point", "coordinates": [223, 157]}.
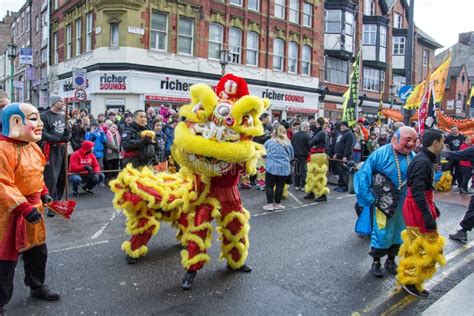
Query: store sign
{"type": "Point", "coordinates": [450, 105]}
{"type": "Point", "coordinates": [136, 30]}
{"type": "Point", "coordinates": [112, 83]}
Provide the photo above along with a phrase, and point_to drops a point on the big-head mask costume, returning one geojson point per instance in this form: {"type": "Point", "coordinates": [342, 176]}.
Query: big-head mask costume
{"type": "Point", "coordinates": [22, 122]}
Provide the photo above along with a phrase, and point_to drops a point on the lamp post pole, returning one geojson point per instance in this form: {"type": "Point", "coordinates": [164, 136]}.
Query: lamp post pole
{"type": "Point", "coordinates": [11, 80]}
{"type": "Point", "coordinates": [223, 59]}
{"type": "Point", "coordinates": [12, 52]}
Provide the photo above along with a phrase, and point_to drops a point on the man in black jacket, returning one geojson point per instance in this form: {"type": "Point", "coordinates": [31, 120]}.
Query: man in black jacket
{"type": "Point", "coordinates": [454, 141]}
{"type": "Point", "coordinates": [468, 221]}
{"type": "Point", "coordinates": [300, 143]}
{"type": "Point", "coordinates": [137, 150]}
{"type": "Point", "coordinates": [343, 152]}
{"type": "Point", "coordinates": [420, 214]}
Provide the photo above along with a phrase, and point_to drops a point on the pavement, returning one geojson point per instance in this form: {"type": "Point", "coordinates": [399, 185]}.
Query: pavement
{"type": "Point", "coordinates": [306, 259]}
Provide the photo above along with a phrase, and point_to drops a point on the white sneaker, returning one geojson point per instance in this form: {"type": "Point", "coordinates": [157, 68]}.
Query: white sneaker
{"type": "Point", "coordinates": [297, 188]}
{"type": "Point", "coordinates": [268, 207]}
{"type": "Point", "coordinates": [279, 207]}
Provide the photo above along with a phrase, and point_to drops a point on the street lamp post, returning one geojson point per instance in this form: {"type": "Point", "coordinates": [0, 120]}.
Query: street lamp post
{"type": "Point", "coordinates": [223, 59]}
{"type": "Point", "coordinates": [392, 94]}
{"type": "Point", "coordinates": [12, 51]}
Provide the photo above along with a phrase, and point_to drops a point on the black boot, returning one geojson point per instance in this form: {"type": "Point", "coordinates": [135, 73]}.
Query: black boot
{"type": "Point", "coordinates": [391, 266]}
{"type": "Point", "coordinates": [460, 235]}
{"type": "Point", "coordinates": [245, 268]}
{"type": "Point", "coordinates": [131, 260]}
{"type": "Point", "coordinates": [309, 196]}
{"type": "Point", "coordinates": [188, 279]}
{"type": "Point", "coordinates": [322, 198]}
{"type": "Point", "coordinates": [45, 294]}
{"type": "Point", "coordinates": [376, 269]}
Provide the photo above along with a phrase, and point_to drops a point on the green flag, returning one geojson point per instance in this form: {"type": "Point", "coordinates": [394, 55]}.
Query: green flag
{"type": "Point", "coordinates": [351, 96]}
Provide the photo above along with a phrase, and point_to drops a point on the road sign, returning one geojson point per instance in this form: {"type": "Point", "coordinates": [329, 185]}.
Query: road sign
{"type": "Point", "coordinates": [80, 94]}
{"type": "Point", "coordinates": [79, 78]}
{"type": "Point", "coordinates": [405, 92]}
{"type": "Point", "coordinates": [26, 56]}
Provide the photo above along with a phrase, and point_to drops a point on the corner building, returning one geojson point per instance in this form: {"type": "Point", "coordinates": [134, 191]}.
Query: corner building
{"type": "Point", "coordinates": [148, 53]}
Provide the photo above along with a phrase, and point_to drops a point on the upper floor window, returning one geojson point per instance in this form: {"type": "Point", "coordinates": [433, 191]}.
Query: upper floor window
{"type": "Point", "coordinates": [68, 41]}
{"type": "Point", "coordinates": [78, 36]}
{"type": "Point", "coordinates": [56, 4]}
{"type": "Point", "coordinates": [89, 32]}
{"type": "Point", "coordinates": [373, 79]}
{"type": "Point", "coordinates": [235, 45]}
{"type": "Point", "coordinates": [216, 37]}
{"type": "Point", "coordinates": [307, 14]}
{"type": "Point", "coordinates": [398, 45]}
{"type": "Point", "coordinates": [370, 34]}
{"type": "Point", "coordinates": [44, 55]}
{"type": "Point", "coordinates": [55, 48]}
{"type": "Point", "coordinates": [333, 21]}
{"type": "Point", "coordinates": [185, 36]}
{"type": "Point", "coordinates": [254, 5]}
{"type": "Point", "coordinates": [159, 31]}
{"type": "Point", "coordinates": [398, 82]}
{"type": "Point", "coordinates": [236, 2]}
{"type": "Point", "coordinates": [397, 20]}
{"type": "Point", "coordinates": [27, 21]}
{"type": "Point", "coordinates": [306, 60]}
{"type": "Point", "coordinates": [383, 36]}
{"type": "Point", "coordinates": [349, 24]}
{"type": "Point", "coordinates": [114, 34]}
{"type": "Point", "coordinates": [278, 54]}
{"type": "Point", "coordinates": [336, 70]}
{"type": "Point", "coordinates": [280, 9]}
{"type": "Point", "coordinates": [369, 7]}
{"type": "Point", "coordinates": [293, 57]}
{"type": "Point", "coordinates": [426, 57]}
{"type": "Point", "coordinates": [294, 11]}
{"type": "Point", "coordinates": [252, 48]}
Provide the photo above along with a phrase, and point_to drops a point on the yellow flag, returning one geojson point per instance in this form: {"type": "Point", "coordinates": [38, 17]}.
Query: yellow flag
{"type": "Point", "coordinates": [471, 96]}
{"type": "Point", "coordinates": [439, 77]}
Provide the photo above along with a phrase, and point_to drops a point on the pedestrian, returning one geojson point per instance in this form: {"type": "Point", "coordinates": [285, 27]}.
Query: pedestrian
{"type": "Point", "coordinates": [372, 143]}
{"type": "Point", "coordinates": [161, 163]}
{"type": "Point", "coordinates": [420, 214]}
{"type": "Point", "coordinates": [359, 144]}
{"type": "Point", "coordinates": [127, 121]}
{"type": "Point", "coordinates": [84, 169]}
{"type": "Point", "coordinates": [138, 150]}
{"type": "Point", "coordinates": [383, 138]}
{"type": "Point", "coordinates": [77, 130]}
{"type": "Point", "coordinates": [454, 141]}
{"type": "Point", "coordinates": [150, 116]}
{"type": "Point", "coordinates": [278, 167]}
{"type": "Point", "coordinates": [267, 134]}
{"type": "Point", "coordinates": [343, 153]}
{"type": "Point", "coordinates": [98, 137]}
{"type": "Point", "coordinates": [113, 150]}
{"type": "Point", "coordinates": [22, 195]}
{"type": "Point", "coordinates": [465, 168]}
{"type": "Point", "coordinates": [384, 168]}
{"type": "Point", "coordinates": [300, 144]}
{"type": "Point", "coordinates": [54, 139]}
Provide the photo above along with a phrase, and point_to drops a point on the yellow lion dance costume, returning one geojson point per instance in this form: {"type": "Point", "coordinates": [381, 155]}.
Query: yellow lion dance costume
{"type": "Point", "coordinates": [213, 145]}
{"type": "Point", "coordinates": [316, 179]}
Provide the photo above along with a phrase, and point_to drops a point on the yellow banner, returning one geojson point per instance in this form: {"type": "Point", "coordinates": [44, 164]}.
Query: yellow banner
{"type": "Point", "coordinates": [470, 96]}
{"type": "Point", "coordinates": [439, 79]}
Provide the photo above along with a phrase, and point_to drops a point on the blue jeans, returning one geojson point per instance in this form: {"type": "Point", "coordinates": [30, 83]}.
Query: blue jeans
{"type": "Point", "coordinates": [89, 180]}
{"type": "Point", "coordinates": [357, 156]}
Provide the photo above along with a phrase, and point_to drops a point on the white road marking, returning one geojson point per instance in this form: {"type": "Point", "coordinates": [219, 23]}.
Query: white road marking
{"type": "Point", "coordinates": [106, 224]}
{"type": "Point", "coordinates": [294, 197]}
{"type": "Point", "coordinates": [90, 244]}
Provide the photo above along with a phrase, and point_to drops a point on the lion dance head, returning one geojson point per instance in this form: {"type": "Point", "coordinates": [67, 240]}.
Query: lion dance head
{"type": "Point", "coordinates": [217, 128]}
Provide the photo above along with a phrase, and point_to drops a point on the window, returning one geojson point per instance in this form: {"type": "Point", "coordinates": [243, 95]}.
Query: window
{"type": "Point", "coordinates": [369, 7]}
{"type": "Point", "coordinates": [306, 60]}
{"type": "Point", "coordinates": [55, 48]}
{"type": "Point", "coordinates": [235, 45]}
{"type": "Point", "coordinates": [398, 82]}
{"type": "Point", "coordinates": [114, 34]}
{"type": "Point", "coordinates": [254, 5]}
{"type": "Point", "coordinates": [185, 36]}
{"type": "Point", "coordinates": [78, 36]}
{"type": "Point", "coordinates": [28, 21]}
{"type": "Point", "coordinates": [37, 24]}
{"type": "Point", "coordinates": [373, 78]}
{"type": "Point", "coordinates": [236, 2]}
{"type": "Point", "coordinates": [216, 37]}
{"type": "Point", "coordinates": [398, 45]}
{"type": "Point", "coordinates": [397, 21]}
{"type": "Point", "coordinates": [336, 70]}
{"type": "Point", "coordinates": [278, 54]}
{"type": "Point", "coordinates": [88, 32]}
{"type": "Point", "coordinates": [293, 57]}
{"type": "Point", "coordinates": [56, 4]}
{"type": "Point", "coordinates": [426, 57]}
{"type": "Point", "coordinates": [294, 11]}
{"type": "Point", "coordinates": [44, 55]}
{"type": "Point", "coordinates": [383, 36]}
{"type": "Point", "coordinates": [68, 41]}
{"type": "Point", "coordinates": [280, 9]}
{"type": "Point", "coordinates": [349, 28]}
{"type": "Point", "coordinates": [307, 14]}
{"type": "Point", "coordinates": [333, 21]}
{"type": "Point", "coordinates": [370, 34]}
{"type": "Point", "coordinates": [159, 31]}
{"type": "Point", "coordinates": [252, 48]}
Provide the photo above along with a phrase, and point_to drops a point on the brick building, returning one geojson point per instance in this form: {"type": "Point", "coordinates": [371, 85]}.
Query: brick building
{"type": "Point", "coordinates": [380, 29]}
{"type": "Point", "coordinates": [5, 39]}
{"type": "Point", "coordinates": [457, 92]}
{"type": "Point", "coordinates": [148, 53]}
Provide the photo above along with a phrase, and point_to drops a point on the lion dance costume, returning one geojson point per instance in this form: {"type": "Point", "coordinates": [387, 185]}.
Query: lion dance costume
{"type": "Point", "coordinates": [213, 146]}
{"type": "Point", "coordinates": [316, 179]}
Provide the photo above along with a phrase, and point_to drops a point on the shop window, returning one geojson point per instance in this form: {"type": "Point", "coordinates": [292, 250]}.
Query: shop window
{"type": "Point", "coordinates": [216, 37]}
{"type": "Point", "coordinates": [398, 45]}
{"type": "Point", "coordinates": [68, 41]}
{"type": "Point", "coordinates": [280, 9]}
{"type": "Point", "coordinates": [159, 31]}
{"type": "Point", "coordinates": [307, 14]}
{"type": "Point", "coordinates": [294, 11]}
{"type": "Point", "coordinates": [254, 5]}
{"type": "Point", "coordinates": [332, 21]}
{"type": "Point", "coordinates": [306, 60]}
{"type": "Point", "coordinates": [78, 36]}
{"type": "Point", "coordinates": [252, 48]}
{"type": "Point", "coordinates": [293, 57]}
{"type": "Point", "coordinates": [370, 34]}
{"type": "Point", "coordinates": [235, 45]}
{"type": "Point", "coordinates": [278, 54]}
{"type": "Point", "coordinates": [89, 25]}
{"type": "Point", "coordinates": [185, 36]}
{"type": "Point", "coordinates": [337, 70]}
{"type": "Point", "coordinates": [114, 34]}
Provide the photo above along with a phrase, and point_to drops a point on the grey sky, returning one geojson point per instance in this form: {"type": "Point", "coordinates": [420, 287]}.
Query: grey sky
{"type": "Point", "coordinates": [441, 19]}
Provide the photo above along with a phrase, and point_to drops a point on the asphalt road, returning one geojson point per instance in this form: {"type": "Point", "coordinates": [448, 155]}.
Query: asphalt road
{"type": "Point", "coordinates": [306, 259]}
